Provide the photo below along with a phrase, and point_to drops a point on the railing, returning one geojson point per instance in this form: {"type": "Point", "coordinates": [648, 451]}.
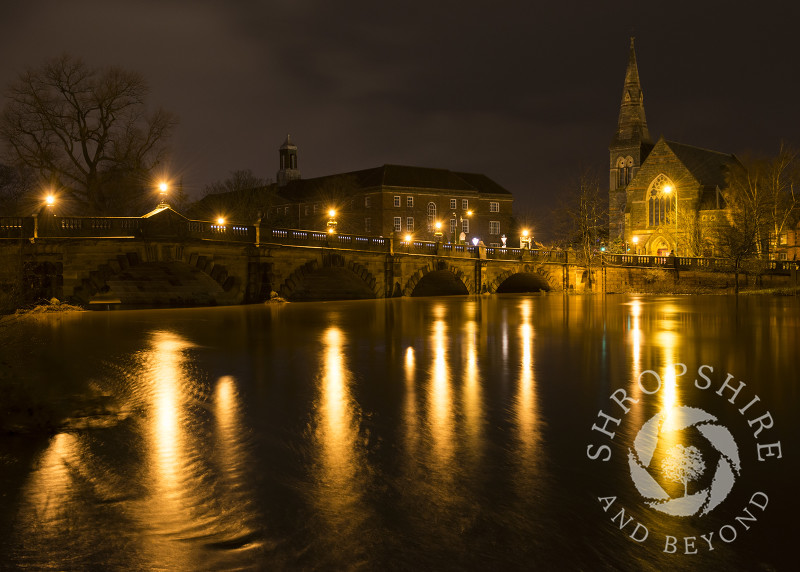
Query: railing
{"type": "Point", "coordinates": [44, 227]}
{"type": "Point", "coordinates": [55, 226]}
{"type": "Point", "coordinates": [693, 263]}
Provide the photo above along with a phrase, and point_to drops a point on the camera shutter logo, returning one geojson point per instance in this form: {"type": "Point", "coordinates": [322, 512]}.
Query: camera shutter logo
{"type": "Point", "coordinates": [686, 463]}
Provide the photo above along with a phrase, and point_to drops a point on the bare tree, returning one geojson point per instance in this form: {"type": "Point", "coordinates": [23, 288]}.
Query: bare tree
{"type": "Point", "coordinates": [85, 130]}
{"type": "Point", "coordinates": [583, 219]}
{"type": "Point", "coordinates": [781, 180]}
{"type": "Point", "coordinates": [683, 464]}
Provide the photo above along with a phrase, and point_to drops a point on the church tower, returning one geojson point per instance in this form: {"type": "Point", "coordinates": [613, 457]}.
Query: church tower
{"type": "Point", "coordinates": [288, 163]}
{"type": "Point", "coordinates": [629, 147]}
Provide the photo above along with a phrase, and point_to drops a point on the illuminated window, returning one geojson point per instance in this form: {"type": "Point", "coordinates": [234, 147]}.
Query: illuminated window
{"type": "Point", "coordinates": [409, 202]}
{"type": "Point", "coordinates": [410, 224]}
{"type": "Point", "coordinates": [431, 216]}
{"type": "Point", "coordinates": [494, 207]}
{"type": "Point", "coordinates": [397, 200]}
{"type": "Point", "coordinates": [660, 204]}
{"type": "Point", "coordinates": [453, 226]}
{"type": "Point", "coordinates": [464, 204]}
{"type": "Point", "coordinates": [398, 224]}
{"type": "Point", "coordinates": [453, 203]}
{"type": "Point", "coordinates": [465, 226]}
{"type": "Point", "coordinates": [494, 227]}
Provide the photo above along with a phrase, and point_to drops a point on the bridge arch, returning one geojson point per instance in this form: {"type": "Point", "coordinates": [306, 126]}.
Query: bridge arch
{"type": "Point", "coordinates": [332, 277]}
{"type": "Point", "coordinates": [440, 269]}
{"type": "Point", "coordinates": [168, 276]}
{"type": "Point", "coordinates": [528, 279]}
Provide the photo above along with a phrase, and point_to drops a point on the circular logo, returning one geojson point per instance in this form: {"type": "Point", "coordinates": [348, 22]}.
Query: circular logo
{"type": "Point", "coordinates": [683, 464]}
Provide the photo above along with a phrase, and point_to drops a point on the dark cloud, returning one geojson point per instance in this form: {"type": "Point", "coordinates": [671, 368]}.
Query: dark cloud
{"type": "Point", "coordinates": [526, 92]}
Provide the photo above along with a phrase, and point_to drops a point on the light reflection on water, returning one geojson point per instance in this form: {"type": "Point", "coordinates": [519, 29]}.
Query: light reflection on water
{"type": "Point", "coordinates": [439, 433]}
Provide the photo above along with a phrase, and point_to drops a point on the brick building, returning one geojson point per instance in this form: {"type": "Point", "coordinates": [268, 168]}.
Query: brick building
{"type": "Point", "coordinates": [390, 200]}
{"type": "Point", "coordinates": [663, 196]}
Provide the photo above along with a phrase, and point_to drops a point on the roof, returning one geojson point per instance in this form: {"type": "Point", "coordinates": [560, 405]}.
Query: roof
{"type": "Point", "coordinates": [707, 166]}
{"type": "Point", "coordinates": [422, 178]}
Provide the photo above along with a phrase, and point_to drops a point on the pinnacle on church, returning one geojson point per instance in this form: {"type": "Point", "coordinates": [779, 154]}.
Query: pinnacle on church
{"type": "Point", "coordinates": [632, 126]}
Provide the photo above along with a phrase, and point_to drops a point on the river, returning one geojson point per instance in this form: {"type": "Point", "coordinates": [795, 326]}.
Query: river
{"type": "Point", "coordinates": [448, 433]}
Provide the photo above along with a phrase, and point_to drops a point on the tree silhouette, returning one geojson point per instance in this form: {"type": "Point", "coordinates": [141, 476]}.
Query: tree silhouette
{"type": "Point", "coordinates": [683, 464]}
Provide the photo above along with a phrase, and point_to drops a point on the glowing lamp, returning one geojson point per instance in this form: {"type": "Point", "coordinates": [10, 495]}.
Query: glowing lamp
{"type": "Point", "coordinates": [50, 200]}
{"type": "Point", "coordinates": [220, 221]}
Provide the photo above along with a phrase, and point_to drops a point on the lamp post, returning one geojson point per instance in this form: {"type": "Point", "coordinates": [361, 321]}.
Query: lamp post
{"type": "Point", "coordinates": [668, 190]}
{"type": "Point", "coordinates": [459, 225]}
{"type": "Point", "coordinates": [635, 240]}
{"type": "Point", "coordinates": [525, 240]}
{"type": "Point", "coordinates": [163, 187]}
{"type": "Point", "coordinates": [437, 231]}
{"type": "Point", "coordinates": [332, 221]}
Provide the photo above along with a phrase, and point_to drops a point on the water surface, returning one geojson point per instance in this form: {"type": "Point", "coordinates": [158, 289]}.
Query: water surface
{"type": "Point", "coordinates": [415, 433]}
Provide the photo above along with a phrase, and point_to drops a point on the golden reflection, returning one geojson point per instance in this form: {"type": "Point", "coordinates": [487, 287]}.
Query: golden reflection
{"type": "Point", "coordinates": [342, 461]}
{"type": "Point", "coordinates": [166, 378]}
{"type": "Point", "coordinates": [412, 425]}
{"type": "Point", "coordinates": [52, 484]}
{"type": "Point", "coordinates": [527, 418]}
{"type": "Point", "coordinates": [636, 336]}
{"type": "Point", "coordinates": [440, 398]}
{"type": "Point", "coordinates": [473, 414]}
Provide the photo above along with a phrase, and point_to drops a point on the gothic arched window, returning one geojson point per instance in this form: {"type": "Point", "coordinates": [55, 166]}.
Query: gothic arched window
{"type": "Point", "coordinates": [660, 200]}
{"type": "Point", "coordinates": [431, 216]}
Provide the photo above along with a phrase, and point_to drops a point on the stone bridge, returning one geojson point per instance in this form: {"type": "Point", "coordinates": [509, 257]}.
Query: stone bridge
{"type": "Point", "coordinates": [165, 259]}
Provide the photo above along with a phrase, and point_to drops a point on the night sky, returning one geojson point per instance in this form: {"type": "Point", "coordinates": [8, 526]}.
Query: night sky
{"type": "Point", "coordinates": [525, 92]}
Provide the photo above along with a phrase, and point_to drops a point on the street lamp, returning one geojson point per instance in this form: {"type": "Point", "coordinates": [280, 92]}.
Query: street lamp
{"type": "Point", "coordinates": [525, 239]}
{"type": "Point", "coordinates": [635, 240]}
{"type": "Point", "coordinates": [50, 200]}
{"type": "Point", "coordinates": [332, 221]}
{"type": "Point", "coordinates": [667, 190]}
{"type": "Point", "coordinates": [437, 232]}
{"type": "Point", "coordinates": [163, 187]}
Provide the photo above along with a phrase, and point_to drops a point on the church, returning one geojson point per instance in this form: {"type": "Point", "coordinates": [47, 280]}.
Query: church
{"type": "Point", "coordinates": [664, 196]}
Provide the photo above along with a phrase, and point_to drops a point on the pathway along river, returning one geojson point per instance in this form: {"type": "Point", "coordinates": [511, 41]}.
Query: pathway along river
{"type": "Point", "coordinates": [428, 433]}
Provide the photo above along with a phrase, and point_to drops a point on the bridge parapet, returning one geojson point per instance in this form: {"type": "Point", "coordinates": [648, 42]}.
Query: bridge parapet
{"type": "Point", "coordinates": [690, 263]}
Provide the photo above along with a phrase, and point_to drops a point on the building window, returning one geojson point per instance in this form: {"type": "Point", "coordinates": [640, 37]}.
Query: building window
{"type": "Point", "coordinates": [464, 204]}
{"type": "Point", "coordinates": [367, 225]}
{"type": "Point", "coordinates": [453, 203]}
{"type": "Point", "coordinates": [397, 200]}
{"type": "Point", "coordinates": [410, 202]}
{"type": "Point", "coordinates": [465, 226]}
{"type": "Point", "coordinates": [660, 200]}
{"type": "Point", "coordinates": [453, 226]}
{"type": "Point", "coordinates": [285, 210]}
{"type": "Point", "coordinates": [494, 207]}
{"type": "Point", "coordinates": [494, 227]}
{"type": "Point", "coordinates": [409, 224]}
{"type": "Point", "coordinates": [366, 202]}
{"type": "Point", "coordinates": [431, 216]}
{"type": "Point", "coordinates": [305, 210]}
{"type": "Point", "coordinates": [398, 224]}
{"type": "Point", "coordinates": [315, 207]}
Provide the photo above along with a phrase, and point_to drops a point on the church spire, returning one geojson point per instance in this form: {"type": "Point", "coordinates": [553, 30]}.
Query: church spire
{"type": "Point", "coordinates": [632, 125]}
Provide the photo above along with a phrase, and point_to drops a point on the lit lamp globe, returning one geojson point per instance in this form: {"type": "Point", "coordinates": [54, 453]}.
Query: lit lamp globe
{"type": "Point", "coordinates": [408, 238]}
{"type": "Point", "coordinates": [50, 200]}
{"type": "Point", "coordinates": [525, 239]}
{"type": "Point", "coordinates": [220, 221]}
{"type": "Point", "coordinates": [635, 241]}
